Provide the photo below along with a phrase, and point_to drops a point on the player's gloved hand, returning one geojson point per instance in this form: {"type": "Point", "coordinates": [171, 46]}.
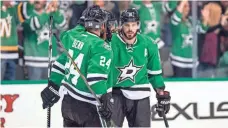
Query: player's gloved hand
{"type": "Point", "coordinates": [50, 95]}
{"type": "Point", "coordinates": [107, 106]}
{"type": "Point", "coordinates": [163, 104]}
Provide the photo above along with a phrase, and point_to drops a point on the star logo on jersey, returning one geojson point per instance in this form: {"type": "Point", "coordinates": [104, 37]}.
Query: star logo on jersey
{"type": "Point", "coordinates": [188, 40]}
{"type": "Point", "coordinates": [9, 18]}
{"type": "Point", "coordinates": [128, 72]}
{"type": "Point", "coordinates": [43, 34]}
{"type": "Point", "coordinates": [151, 26]}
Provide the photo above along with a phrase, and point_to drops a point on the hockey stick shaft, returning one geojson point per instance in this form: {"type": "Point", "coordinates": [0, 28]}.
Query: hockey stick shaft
{"type": "Point", "coordinates": [24, 67]}
{"type": "Point", "coordinates": [49, 67]}
{"type": "Point", "coordinates": [103, 122]}
{"type": "Point", "coordinates": [165, 120]}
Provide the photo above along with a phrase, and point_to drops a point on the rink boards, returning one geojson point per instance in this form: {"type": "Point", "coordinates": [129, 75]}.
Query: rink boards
{"type": "Point", "coordinates": [195, 104]}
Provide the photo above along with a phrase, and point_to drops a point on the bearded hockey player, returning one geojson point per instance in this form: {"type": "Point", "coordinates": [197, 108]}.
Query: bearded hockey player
{"type": "Point", "coordinates": [58, 68]}
{"type": "Point", "coordinates": [93, 56]}
{"type": "Point", "coordinates": [137, 67]}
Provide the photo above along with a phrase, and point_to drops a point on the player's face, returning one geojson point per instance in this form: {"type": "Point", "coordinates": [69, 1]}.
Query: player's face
{"type": "Point", "coordinates": [130, 29]}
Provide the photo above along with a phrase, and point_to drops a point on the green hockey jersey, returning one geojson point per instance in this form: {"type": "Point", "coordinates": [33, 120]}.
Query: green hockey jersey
{"type": "Point", "coordinates": [58, 68]}
{"type": "Point", "coordinates": [182, 40]}
{"type": "Point", "coordinates": [136, 67]}
{"type": "Point", "coordinates": [93, 57]}
{"type": "Point", "coordinates": [36, 33]}
{"type": "Point", "coordinates": [10, 18]}
{"type": "Point", "coordinates": [150, 20]}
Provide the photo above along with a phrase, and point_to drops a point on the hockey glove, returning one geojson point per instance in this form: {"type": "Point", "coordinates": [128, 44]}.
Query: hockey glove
{"type": "Point", "coordinates": [163, 104]}
{"type": "Point", "coordinates": [107, 105]}
{"type": "Point", "coordinates": [50, 95]}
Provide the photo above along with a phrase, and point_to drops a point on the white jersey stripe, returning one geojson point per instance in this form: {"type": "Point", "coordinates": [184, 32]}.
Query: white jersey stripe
{"type": "Point", "coordinates": [90, 75]}
{"type": "Point", "coordinates": [154, 72]}
{"type": "Point", "coordinates": [182, 59]}
{"type": "Point", "coordinates": [9, 55]}
{"type": "Point", "coordinates": [56, 71]}
{"type": "Point", "coordinates": [37, 64]}
{"type": "Point", "coordinates": [59, 65]}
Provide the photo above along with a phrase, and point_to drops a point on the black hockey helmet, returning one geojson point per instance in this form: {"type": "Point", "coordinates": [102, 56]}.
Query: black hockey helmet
{"type": "Point", "coordinates": [81, 20]}
{"type": "Point", "coordinates": [95, 17]}
{"type": "Point", "coordinates": [111, 25]}
{"type": "Point", "coordinates": [111, 19]}
{"type": "Point", "coordinates": [129, 15]}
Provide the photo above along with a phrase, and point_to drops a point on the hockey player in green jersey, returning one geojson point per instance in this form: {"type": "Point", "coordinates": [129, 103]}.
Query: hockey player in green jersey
{"type": "Point", "coordinates": [136, 67]}
{"type": "Point", "coordinates": [36, 36]}
{"type": "Point", "coordinates": [150, 19]}
{"type": "Point", "coordinates": [11, 16]}
{"type": "Point", "coordinates": [93, 56]}
{"type": "Point", "coordinates": [58, 68]}
{"type": "Point", "coordinates": [182, 40]}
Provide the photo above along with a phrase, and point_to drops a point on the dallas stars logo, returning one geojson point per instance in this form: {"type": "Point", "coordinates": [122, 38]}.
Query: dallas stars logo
{"type": "Point", "coordinates": [151, 26]}
{"type": "Point", "coordinates": [128, 72]}
{"type": "Point", "coordinates": [43, 34]}
{"type": "Point", "coordinates": [188, 40]}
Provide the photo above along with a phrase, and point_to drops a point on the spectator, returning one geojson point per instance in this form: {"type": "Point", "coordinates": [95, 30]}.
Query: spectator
{"type": "Point", "coordinates": [36, 34]}
{"type": "Point", "coordinates": [77, 8]}
{"type": "Point", "coordinates": [11, 16]}
{"type": "Point", "coordinates": [150, 19]}
{"type": "Point", "coordinates": [168, 7]}
{"type": "Point", "coordinates": [211, 51]}
{"type": "Point", "coordinates": [112, 6]}
{"type": "Point", "coordinates": [181, 27]}
{"type": "Point", "coordinates": [223, 61]}
{"type": "Point", "coordinates": [64, 8]}
{"type": "Point", "coordinates": [123, 5]}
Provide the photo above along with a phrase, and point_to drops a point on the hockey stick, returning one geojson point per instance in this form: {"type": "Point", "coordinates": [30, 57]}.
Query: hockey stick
{"type": "Point", "coordinates": [163, 114]}
{"type": "Point", "coordinates": [22, 61]}
{"type": "Point", "coordinates": [49, 67]}
{"type": "Point", "coordinates": [103, 122]}
{"type": "Point", "coordinates": [165, 120]}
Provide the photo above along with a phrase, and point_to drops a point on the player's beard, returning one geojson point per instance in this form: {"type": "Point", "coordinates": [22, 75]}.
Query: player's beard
{"type": "Point", "coordinates": [129, 34]}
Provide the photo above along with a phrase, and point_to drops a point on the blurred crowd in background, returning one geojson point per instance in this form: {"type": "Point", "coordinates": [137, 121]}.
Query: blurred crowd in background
{"type": "Point", "coordinates": [24, 30]}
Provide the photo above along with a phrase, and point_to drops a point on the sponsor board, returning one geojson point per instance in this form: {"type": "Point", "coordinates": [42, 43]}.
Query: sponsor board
{"type": "Point", "coordinates": [194, 105]}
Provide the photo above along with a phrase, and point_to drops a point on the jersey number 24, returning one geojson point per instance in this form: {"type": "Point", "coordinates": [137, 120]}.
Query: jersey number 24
{"type": "Point", "coordinates": [78, 61]}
